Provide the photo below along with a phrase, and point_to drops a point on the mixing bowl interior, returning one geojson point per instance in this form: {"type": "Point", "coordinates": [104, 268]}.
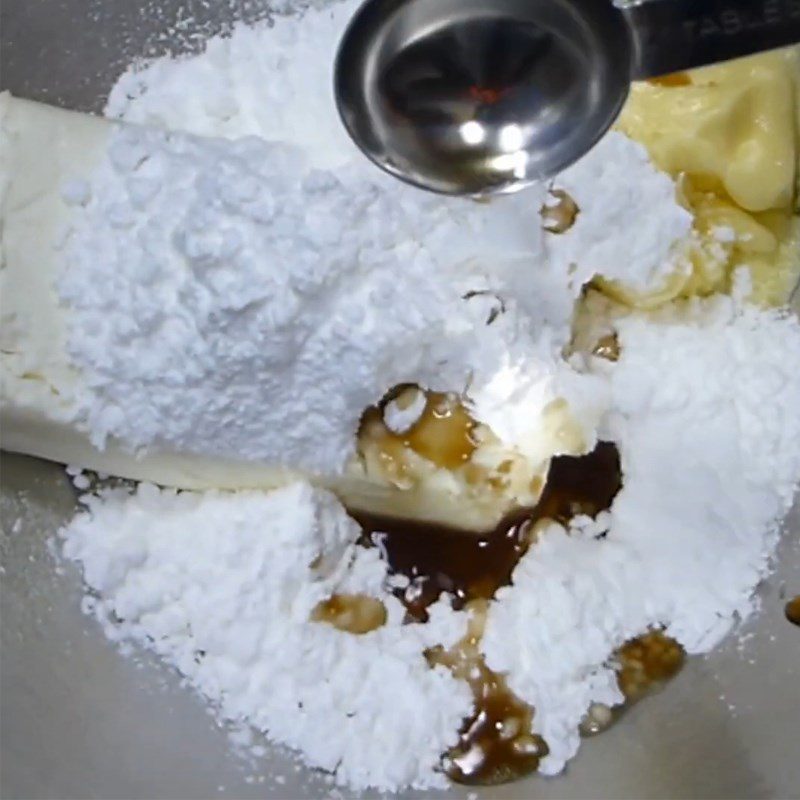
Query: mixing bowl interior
{"type": "Point", "coordinates": [80, 720]}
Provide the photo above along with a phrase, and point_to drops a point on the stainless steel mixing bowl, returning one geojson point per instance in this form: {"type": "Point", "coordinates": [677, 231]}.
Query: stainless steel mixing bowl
{"type": "Point", "coordinates": [79, 720]}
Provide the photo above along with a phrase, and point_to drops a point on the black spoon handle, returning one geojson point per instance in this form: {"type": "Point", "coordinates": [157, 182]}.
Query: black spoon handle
{"type": "Point", "coordinates": [673, 35]}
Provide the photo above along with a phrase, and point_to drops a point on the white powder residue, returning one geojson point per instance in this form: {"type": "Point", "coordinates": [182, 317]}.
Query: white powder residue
{"type": "Point", "coordinates": [273, 81]}
{"type": "Point", "coordinates": [706, 412]}
{"type": "Point", "coordinates": [221, 586]}
{"type": "Point", "coordinates": [221, 292]}
{"type": "Point", "coordinates": [250, 298]}
{"type": "Point", "coordinates": [227, 300]}
{"type": "Point", "coordinates": [629, 224]}
{"type": "Point", "coordinates": [400, 418]}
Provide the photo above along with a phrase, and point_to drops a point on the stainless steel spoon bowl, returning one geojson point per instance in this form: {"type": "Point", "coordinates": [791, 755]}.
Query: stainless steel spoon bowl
{"type": "Point", "coordinates": [472, 97]}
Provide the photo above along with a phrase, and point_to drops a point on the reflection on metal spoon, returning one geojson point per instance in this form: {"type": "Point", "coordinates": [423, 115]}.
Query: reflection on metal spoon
{"type": "Point", "coordinates": [474, 97]}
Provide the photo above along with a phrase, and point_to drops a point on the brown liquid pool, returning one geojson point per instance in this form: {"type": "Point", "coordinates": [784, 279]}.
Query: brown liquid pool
{"type": "Point", "coordinates": [496, 743]}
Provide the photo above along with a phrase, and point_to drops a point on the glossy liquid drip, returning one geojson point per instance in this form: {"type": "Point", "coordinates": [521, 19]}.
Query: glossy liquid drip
{"type": "Point", "coordinates": [792, 610]}
{"type": "Point", "coordinates": [352, 613]}
{"type": "Point", "coordinates": [470, 566]}
{"type": "Point", "coordinates": [496, 743]}
{"type": "Point", "coordinates": [646, 664]}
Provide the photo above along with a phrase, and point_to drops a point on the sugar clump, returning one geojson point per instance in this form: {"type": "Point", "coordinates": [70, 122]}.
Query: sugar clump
{"type": "Point", "coordinates": [221, 586]}
{"type": "Point", "coordinates": [268, 285]}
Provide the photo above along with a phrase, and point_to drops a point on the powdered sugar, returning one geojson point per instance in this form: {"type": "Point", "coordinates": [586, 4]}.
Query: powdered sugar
{"type": "Point", "coordinates": [239, 294]}
{"type": "Point", "coordinates": [222, 586]}
{"type": "Point", "coordinates": [401, 418]}
{"type": "Point", "coordinates": [241, 291]}
{"type": "Point", "coordinates": [269, 80]}
{"type": "Point", "coordinates": [617, 188]}
{"type": "Point", "coordinates": [705, 400]}
{"type": "Point", "coordinates": [249, 298]}
{"type": "Point", "coordinates": [705, 411]}
{"type": "Point", "coordinates": [284, 285]}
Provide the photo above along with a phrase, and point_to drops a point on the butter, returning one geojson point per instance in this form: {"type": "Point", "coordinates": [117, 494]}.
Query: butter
{"type": "Point", "coordinates": [734, 177]}
{"type": "Point", "coordinates": [734, 122]}
{"type": "Point", "coordinates": [39, 149]}
{"type": "Point", "coordinates": [731, 134]}
{"type": "Point", "coordinates": [42, 150]}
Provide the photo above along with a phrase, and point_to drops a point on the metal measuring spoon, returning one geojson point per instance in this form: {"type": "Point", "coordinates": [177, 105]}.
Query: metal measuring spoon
{"type": "Point", "coordinates": [471, 97]}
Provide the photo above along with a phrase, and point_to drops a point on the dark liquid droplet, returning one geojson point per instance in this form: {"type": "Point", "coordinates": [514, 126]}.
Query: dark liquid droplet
{"type": "Point", "coordinates": [470, 566]}
{"type": "Point", "coordinates": [496, 744]}
{"type": "Point", "coordinates": [792, 610]}
{"type": "Point", "coordinates": [646, 664]}
{"type": "Point", "coordinates": [672, 79]}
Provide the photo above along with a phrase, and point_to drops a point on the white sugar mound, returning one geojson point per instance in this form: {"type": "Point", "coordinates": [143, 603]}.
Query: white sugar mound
{"type": "Point", "coordinates": [222, 292]}
{"type": "Point", "coordinates": [268, 80]}
{"type": "Point", "coordinates": [226, 299]}
{"type": "Point", "coordinates": [221, 586]}
{"type": "Point", "coordinates": [706, 417]}
{"type": "Point", "coordinates": [628, 226]}
{"type": "Point", "coordinates": [706, 414]}
{"type": "Point", "coordinates": [219, 292]}
{"type": "Point", "coordinates": [248, 297]}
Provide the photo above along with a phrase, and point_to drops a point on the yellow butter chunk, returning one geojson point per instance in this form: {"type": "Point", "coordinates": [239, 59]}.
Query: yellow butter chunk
{"type": "Point", "coordinates": [733, 121]}
{"type": "Point", "coordinates": [730, 135]}
{"type": "Point", "coordinates": [673, 286]}
{"type": "Point", "coordinates": [775, 276]}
